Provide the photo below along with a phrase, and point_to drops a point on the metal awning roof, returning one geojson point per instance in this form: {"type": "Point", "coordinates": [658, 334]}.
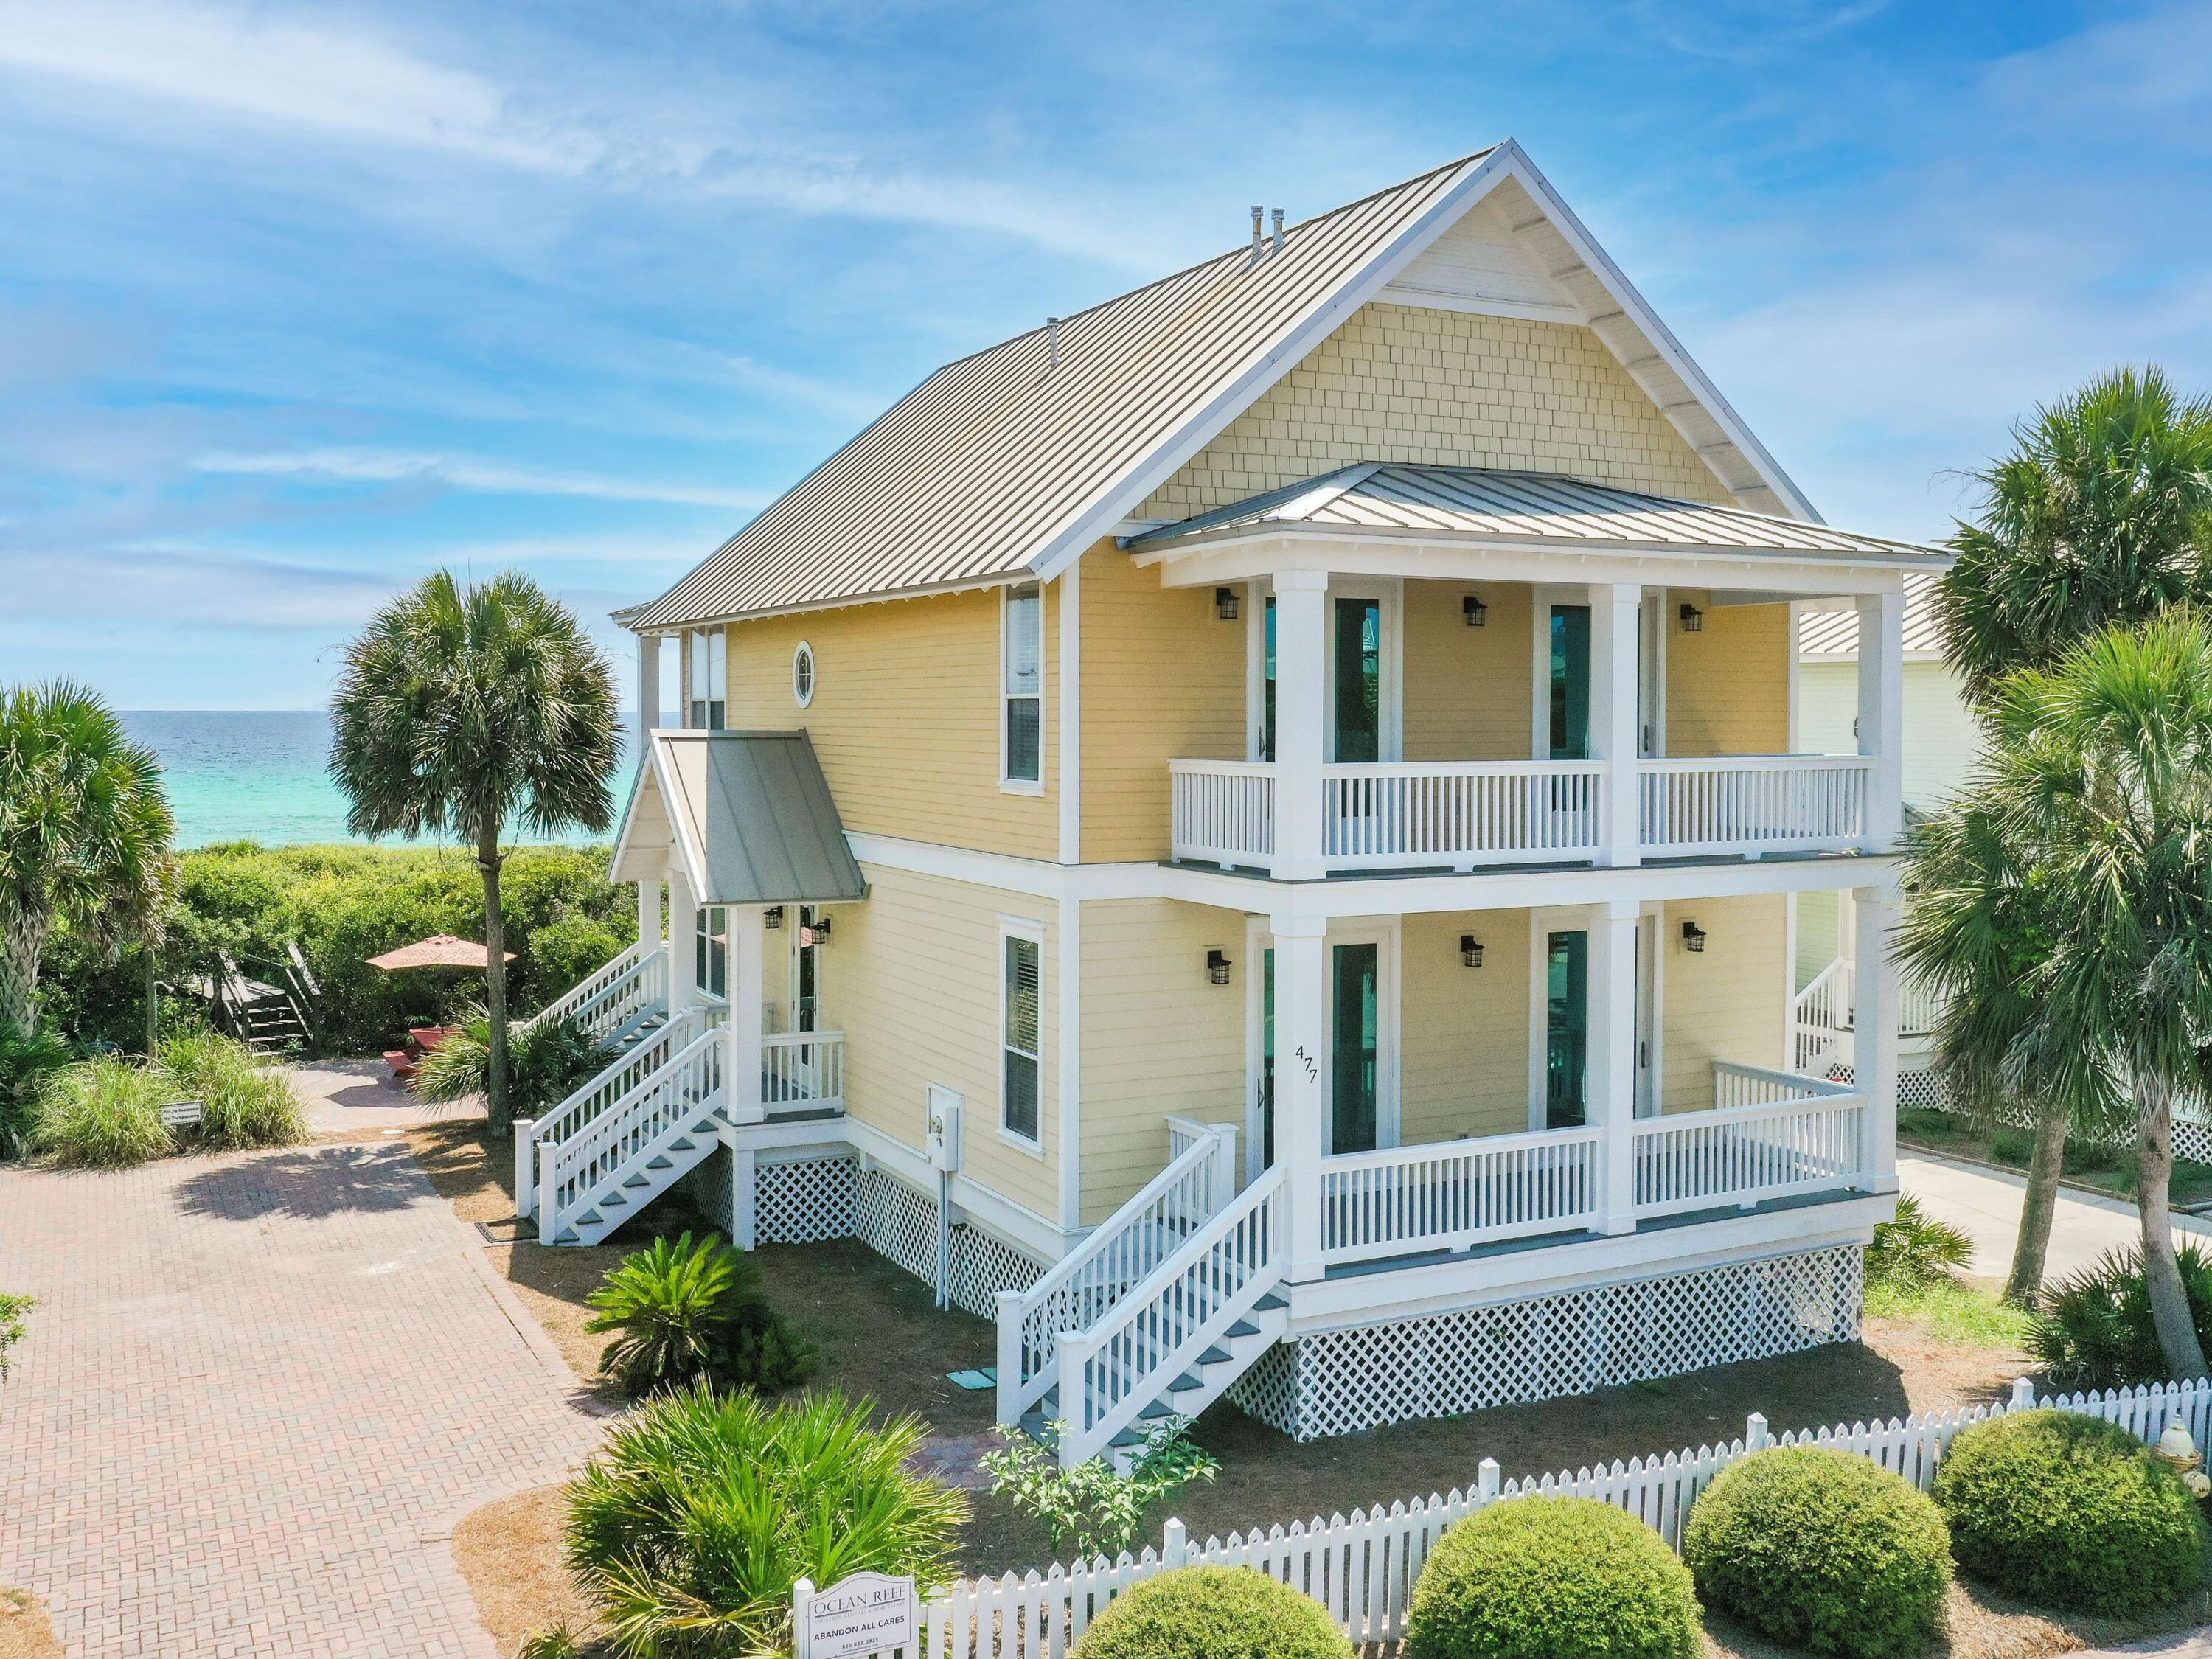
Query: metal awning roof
{"type": "Point", "coordinates": [1517, 509]}
{"type": "Point", "coordinates": [748, 814]}
{"type": "Point", "coordinates": [1833, 636]}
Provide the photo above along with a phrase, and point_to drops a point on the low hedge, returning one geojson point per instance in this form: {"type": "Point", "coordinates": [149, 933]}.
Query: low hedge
{"type": "Point", "coordinates": [1548, 1578]}
{"type": "Point", "coordinates": [2072, 1513]}
{"type": "Point", "coordinates": [1822, 1550]}
{"type": "Point", "coordinates": [1213, 1612]}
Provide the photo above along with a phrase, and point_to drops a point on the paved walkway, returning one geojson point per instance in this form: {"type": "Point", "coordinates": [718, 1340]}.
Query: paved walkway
{"type": "Point", "coordinates": [358, 1098]}
{"type": "Point", "coordinates": [257, 1393]}
{"type": "Point", "coordinates": [1986, 1203]}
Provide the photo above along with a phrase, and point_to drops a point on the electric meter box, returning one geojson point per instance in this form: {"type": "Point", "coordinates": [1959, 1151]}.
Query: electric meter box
{"type": "Point", "coordinates": [943, 1140]}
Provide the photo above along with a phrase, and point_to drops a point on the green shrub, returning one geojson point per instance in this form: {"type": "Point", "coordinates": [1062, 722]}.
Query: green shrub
{"type": "Point", "coordinates": [1093, 1508]}
{"type": "Point", "coordinates": [687, 1311]}
{"type": "Point", "coordinates": [249, 1101]}
{"type": "Point", "coordinates": [103, 1113]}
{"type": "Point", "coordinates": [690, 1526]}
{"type": "Point", "coordinates": [1212, 1613]}
{"type": "Point", "coordinates": [24, 1058]}
{"type": "Point", "coordinates": [2094, 1329]}
{"type": "Point", "coordinates": [546, 1063]}
{"type": "Point", "coordinates": [1822, 1550]}
{"type": "Point", "coordinates": [1916, 1250]}
{"type": "Point", "coordinates": [12, 1309]}
{"type": "Point", "coordinates": [1544, 1577]}
{"type": "Point", "coordinates": [568, 952]}
{"type": "Point", "coordinates": [2070, 1512]}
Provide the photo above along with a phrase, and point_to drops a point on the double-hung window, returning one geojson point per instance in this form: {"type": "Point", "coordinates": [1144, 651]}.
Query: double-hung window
{"type": "Point", "coordinates": [1023, 1038]}
{"type": "Point", "coordinates": [1021, 662]}
{"type": "Point", "coordinates": [709, 649]}
{"type": "Point", "coordinates": [713, 962]}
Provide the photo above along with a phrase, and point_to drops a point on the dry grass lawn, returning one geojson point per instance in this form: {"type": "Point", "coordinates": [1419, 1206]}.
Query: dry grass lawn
{"type": "Point", "coordinates": [25, 1631]}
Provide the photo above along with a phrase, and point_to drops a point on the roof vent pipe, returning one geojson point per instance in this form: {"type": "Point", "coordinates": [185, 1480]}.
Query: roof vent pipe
{"type": "Point", "coordinates": [1257, 239]}
{"type": "Point", "coordinates": [1278, 216]}
{"type": "Point", "coordinates": [1051, 343]}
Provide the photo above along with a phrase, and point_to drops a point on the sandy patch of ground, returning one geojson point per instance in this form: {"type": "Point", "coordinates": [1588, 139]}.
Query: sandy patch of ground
{"type": "Point", "coordinates": [24, 1632]}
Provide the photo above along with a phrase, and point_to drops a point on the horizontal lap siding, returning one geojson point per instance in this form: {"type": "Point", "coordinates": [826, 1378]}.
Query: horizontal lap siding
{"type": "Point", "coordinates": [1727, 685]}
{"type": "Point", "coordinates": [912, 976]}
{"type": "Point", "coordinates": [1467, 689]}
{"type": "Point", "coordinates": [1942, 742]}
{"type": "Point", "coordinates": [905, 716]}
{"type": "Point", "coordinates": [1464, 1031]}
{"type": "Point", "coordinates": [1726, 1002]}
{"type": "Point", "coordinates": [1157, 1036]}
{"type": "Point", "coordinates": [1162, 680]}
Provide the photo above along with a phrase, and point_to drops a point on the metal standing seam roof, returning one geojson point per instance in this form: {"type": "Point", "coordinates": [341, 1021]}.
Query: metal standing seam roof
{"type": "Point", "coordinates": [1836, 632]}
{"type": "Point", "coordinates": [1517, 507]}
{"type": "Point", "coordinates": [753, 815]}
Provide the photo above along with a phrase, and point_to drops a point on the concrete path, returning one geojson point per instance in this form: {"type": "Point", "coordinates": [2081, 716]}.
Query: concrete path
{"type": "Point", "coordinates": [359, 1097]}
{"type": "Point", "coordinates": [257, 1393]}
{"type": "Point", "coordinates": [1986, 1203]}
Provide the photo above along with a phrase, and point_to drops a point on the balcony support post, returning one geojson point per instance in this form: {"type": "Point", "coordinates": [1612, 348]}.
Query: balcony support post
{"type": "Point", "coordinates": [1301, 726]}
{"type": "Point", "coordinates": [683, 949]}
{"type": "Point", "coordinates": [1876, 996]}
{"type": "Point", "coordinates": [741, 1053]}
{"type": "Point", "coordinates": [1303, 1075]}
{"type": "Point", "coordinates": [648, 916]}
{"type": "Point", "coordinates": [1613, 650]}
{"type": "Point", "coordinates": [648, 684]}
{"type": "Point", "coordinates": [1610, 1072]}
{"type": "Point", "coordinates": [1882, 715]}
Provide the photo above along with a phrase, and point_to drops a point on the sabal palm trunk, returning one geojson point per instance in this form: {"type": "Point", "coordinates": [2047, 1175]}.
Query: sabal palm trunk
{"type": "Point", "coordinates": [488, 862]}
{"type": "Point", "coordinates": [2039, 1206]}
{"type": "Point", "coordinates": [22, 939]}
{"type": "Point", "coordinates": [2169, 1299]}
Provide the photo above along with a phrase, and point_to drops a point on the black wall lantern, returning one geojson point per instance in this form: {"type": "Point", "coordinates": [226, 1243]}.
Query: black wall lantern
{"type": "Point", "coordinates": [1476, 612]}
{"type": "Point", "coordinates": [822, 927]}
{"type": "Point", "coordinates": [773, 919]}
{"type": "Point", "coordinates": [1226, 603]}
{"type": "Point", "coordinates": [1693, 620]}
{"type": "Point", "coordinates": [1693, 937]}
{"type": "Point", "coordinates": [1217, 967]}
{"type": "Point", "coordinates": [1470, 950]}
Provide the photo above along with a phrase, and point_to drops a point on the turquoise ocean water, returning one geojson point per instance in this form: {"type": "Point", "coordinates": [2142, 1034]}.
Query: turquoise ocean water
{"type": "Point", "coordinates": [264, 776]}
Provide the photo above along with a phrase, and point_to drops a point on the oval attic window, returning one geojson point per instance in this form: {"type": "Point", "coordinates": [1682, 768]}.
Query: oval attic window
{"type": "Point", "coordinates": [802, 674]}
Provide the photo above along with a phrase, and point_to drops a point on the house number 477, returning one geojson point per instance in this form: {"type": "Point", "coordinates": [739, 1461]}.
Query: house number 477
{"type": "Point", "coordinates": [1306, 1061]}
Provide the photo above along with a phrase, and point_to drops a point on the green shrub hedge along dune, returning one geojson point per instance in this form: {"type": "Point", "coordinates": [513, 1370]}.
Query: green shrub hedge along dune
{"type": "Point", "coordinates": [1823, 1550]}
{"type": "Point", "coordinates": [1213, 1612]}
{"type": "Point", "coordinates": [2070, 1512]}
{"type": "Point", "coordinates": [1545, 1577]}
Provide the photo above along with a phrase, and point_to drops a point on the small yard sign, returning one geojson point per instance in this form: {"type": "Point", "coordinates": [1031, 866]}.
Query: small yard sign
{"type": "Point", "coordinates": [868, 1613]}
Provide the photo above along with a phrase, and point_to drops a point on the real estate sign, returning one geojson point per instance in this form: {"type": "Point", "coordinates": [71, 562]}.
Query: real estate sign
{"type": "Point", "coordinates": [868, 1613]}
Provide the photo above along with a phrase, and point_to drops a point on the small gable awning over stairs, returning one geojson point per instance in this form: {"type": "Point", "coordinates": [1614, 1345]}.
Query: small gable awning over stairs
{"type": "Point", "coordinates": [748, 814]}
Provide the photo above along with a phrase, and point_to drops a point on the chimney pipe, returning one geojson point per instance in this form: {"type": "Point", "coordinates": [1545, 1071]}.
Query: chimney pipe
{"type": "Point", "coordinates": [1257, 249]}
{"type": "Point", "coordinates": [1279, 229]}
{"type": "Point", "coordinates": [1051, 343]}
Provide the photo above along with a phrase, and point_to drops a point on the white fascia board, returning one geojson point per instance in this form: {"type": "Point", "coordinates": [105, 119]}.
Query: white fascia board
{"type": "Point", "coordinates": [681, 831]}
{"type": "Point", "coordinates": [650, 773]}
{"type": "Point", "coordinates": [1639, 312]}
{"type": "Point", "coordinates": [1121, 499]}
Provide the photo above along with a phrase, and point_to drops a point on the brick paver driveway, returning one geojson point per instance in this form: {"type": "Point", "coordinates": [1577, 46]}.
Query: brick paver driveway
{"type": "Point", "coordinates": [257, 1392]}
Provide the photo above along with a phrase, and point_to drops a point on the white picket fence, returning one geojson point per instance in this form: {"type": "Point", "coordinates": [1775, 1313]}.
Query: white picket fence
{"type": "Point", "coordinates": [1363, 1567]}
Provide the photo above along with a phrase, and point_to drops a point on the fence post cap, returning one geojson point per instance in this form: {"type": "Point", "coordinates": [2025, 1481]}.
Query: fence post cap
{"type": "Point", "coordinates": [1008, 1299]}
{"type": "Point", "coordinates": [1485, 1477]}
{"type": "Point", "coordinates": [1754, 1429]}
{"type": "Point", "coordinates": [1173, 1545]}
{"type": "Point", "coordinates": [2023, 1393]}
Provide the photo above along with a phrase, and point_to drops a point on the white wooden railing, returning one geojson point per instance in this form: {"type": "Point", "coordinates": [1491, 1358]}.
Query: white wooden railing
{"type": "Point", "coordinates": [612, 997]}
{"type": "Point", "coordinates": [621, 1074]}
{"type": "Point", "coordinates": [576, 1170]}
{"type": "Point", "coordinates": [1450, 1195]}
{"type": "Point", "coordinates": [1223, 812]}
{"type": "Point", "coordinates": [1111, 1370]}
{"type": "Point", "coordinates": [1745, 1155]}
{"type": "Point", "coordinates": [1754, 804]}
{"type": "Point", "coordinates": [1824, 1017]}
{"type": "Point", "coordinates": [1086, 1284]}
{"type": "Point", "coordinates": [1463, 813]}
{"type": "Point", "coordinates": [803, 1071]}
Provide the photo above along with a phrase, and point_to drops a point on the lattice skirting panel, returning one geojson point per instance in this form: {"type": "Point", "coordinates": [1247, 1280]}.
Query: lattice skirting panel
{"type": "Point", "coordinates": [1543, 1348]}
{"type": "Point", "coordinates": [893, 1220]}
{"type": "Point", "coordinates": [708, 1184]}
{"type": "Point", "coordinates": [804, 1200]}
{"type": "Point", "coordinates": [2192, 1135]}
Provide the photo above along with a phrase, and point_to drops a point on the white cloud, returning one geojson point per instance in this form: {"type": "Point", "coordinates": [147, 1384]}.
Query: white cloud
{"type": "Point", "coordinates": [190, 586]}
{"type": "Point", "coordinates": [461, 473]}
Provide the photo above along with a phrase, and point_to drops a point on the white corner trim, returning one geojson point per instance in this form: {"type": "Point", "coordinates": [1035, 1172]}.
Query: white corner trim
{"type": "Point", "coordinates": [1069, 780]}
{"type": "Point", "coordinates": [1071, 1062]}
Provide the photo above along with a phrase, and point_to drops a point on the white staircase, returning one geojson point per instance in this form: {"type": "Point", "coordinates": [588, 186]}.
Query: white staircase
{"type": "Point", "coordinates": [622, 999]}
{"type": "Point", "coordinates": [1156, 1313]}
{"type": "Point", "coordinates": [640, 1142]}
{"type": "Point", "coordinates": [1823, 1017]}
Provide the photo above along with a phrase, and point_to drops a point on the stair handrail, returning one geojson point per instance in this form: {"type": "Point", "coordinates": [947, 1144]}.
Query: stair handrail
{"type": "Point", "coordinates": [593, 985]}
{"type": "Point", "coordinates": [1083, 1286]}
{"type": "Point", "coordinates": [1109, 1372]}
{"type": "Point", "coordinates": [589, 1100]}
{"type": "Point", "coordinates": [637, 1118]}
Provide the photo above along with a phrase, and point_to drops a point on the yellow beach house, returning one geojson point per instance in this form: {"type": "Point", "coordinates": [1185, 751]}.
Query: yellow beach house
{"type": "Point", "coordinates": [1246, 834]}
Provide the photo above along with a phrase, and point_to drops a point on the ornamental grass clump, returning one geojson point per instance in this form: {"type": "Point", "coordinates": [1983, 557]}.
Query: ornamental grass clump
{"type": "Point", "coordinates": [2094, 1329]}
{"type": "Point", "coordinates": [248, 1101]}
{"type": "Point", "coordinates": [1822, 1550]}
{"type": "Point", "coordinates": [2070, 1512]}
{"type": "Point", "coordinates": [1212, 1613]}
{"type": "Point", "coordinates": [1543, 1577]}
{"type": "Point", "coordinates": [103, 1113]}
{"type": "Point", "coordinates": [691, 1525]}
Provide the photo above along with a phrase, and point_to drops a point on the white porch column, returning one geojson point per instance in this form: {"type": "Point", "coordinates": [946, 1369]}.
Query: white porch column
{"type": "Point", "coordinates": [1874, 1037]}
{"type": "Point", "coordinates": [649, 683]}
{"type": "Point", "coordinates": [648, 914]}
{"type": "Point", "coordinates": [1301, 1074]}
{"type": "Point", "coordinates": [1881, 714]}
{"type": "Point", "coordinates": [682, 952]}
{"type": "Point", "coordinates": [1615, 623]}
{"type": "Point", "coordinates": [1609, 1068]}
{"type": "Point", "coordinates": [741, 1053]}
{"type": "Point", "coordinates": [1301, 728]}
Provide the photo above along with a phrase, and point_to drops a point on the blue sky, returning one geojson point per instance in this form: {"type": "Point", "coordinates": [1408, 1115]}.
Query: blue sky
{"type": "Point", "coordinates": [299, 301]}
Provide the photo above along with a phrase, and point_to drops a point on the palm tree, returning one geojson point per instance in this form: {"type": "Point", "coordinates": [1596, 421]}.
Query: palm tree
{"type": "Point", "coordinates": [2102, 514]}
{"type": "Point", "coordinates": [84, 835]}
{"type": "Point", "coordinates": [463, 709]}
{"type": "Point", "coordinates": [2091, 817]}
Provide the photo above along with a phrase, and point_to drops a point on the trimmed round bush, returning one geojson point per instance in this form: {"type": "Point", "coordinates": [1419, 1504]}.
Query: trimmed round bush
{"type": "Point", "coordinates": [1549, 1579]}
{"type": "Point", "coordinates": [2070, 1512]}
{"type": "Point", "coordinates": [1825, 1551]}
{"type": "Point", "coordinates": [1213, 1612]}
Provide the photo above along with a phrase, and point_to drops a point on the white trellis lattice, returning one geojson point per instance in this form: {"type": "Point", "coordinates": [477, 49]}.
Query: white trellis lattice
{"type": "Point", "coordinates": [1544, 1347]}
{"type": "Point", "coordinates": [805, 1200]}
{"type": "Point", "coordinates": [2192, 1132]}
